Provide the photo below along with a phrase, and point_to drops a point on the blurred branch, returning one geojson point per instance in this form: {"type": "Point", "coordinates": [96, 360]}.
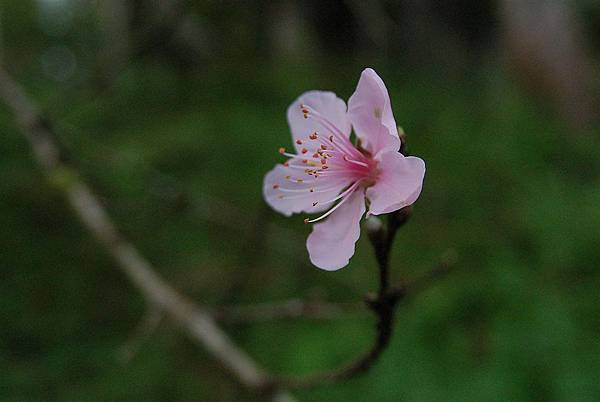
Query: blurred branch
{"type": "Point", "coordinates": [199, 324]}
{"type": "Point", "coordinates": [545, 46]}
{"type": "Point", "coordinates": [150, 321]}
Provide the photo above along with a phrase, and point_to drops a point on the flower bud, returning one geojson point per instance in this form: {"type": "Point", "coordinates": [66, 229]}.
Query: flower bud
{"type": "Point", "coordinates": [375, 228]}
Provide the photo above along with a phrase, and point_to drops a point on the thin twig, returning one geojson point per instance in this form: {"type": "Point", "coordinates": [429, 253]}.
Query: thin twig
{"type": "Point", "coordinates": [199, 324]}
{"type": "Point", "coordinates": [415, 286]}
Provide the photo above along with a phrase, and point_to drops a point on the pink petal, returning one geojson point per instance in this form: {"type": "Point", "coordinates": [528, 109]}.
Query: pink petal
{"type": "Point", "coordinates": [331, 243]}
{"type": "Point", "coordinates": [371, 114]}
{"type": "Point", "coordinates": [326, 104]}
{"type": "Point", "coordinates": [302, 199]}
{"type": "Point", "coordinates": [398, 185]}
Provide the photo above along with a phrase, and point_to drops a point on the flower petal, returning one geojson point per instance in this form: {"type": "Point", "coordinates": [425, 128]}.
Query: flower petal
{"type": "Point", "coordinates": [371, 114]}
{"type": "Point", "coordinates": [326, 104]}
{"type": "Point", "coordinates": [279, 181]}
{"type": "Point", "coordinates": [398, 185]}
{"type": "Point", "coordinates": [331, 243]}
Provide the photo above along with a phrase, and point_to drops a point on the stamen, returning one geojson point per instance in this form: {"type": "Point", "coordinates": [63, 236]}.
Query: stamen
{"type": "Point", "coordinates": [299, 142]}
{"type": "Point", "coordinates": [355, 162]}
{"type": "Point", "coordinates": [345, 195]}
{"type": "Point", "coordinates": [323, 120]}
{"type": "Point", "coordinates": [296, 190]}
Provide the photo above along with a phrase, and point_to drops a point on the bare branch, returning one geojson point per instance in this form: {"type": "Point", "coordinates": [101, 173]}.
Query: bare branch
{"type": "Point", "coordinates": [198, 322]}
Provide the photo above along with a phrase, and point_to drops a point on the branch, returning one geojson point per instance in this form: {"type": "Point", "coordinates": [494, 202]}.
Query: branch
{"type": "Point", "coordinates": [416, 286]}
{"type": "Point", "coordinates": [383, 304]}
{"type": "Point", "coordinates": [199, 324]}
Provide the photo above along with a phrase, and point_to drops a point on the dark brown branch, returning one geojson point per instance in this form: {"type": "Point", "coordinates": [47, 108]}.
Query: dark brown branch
{"type": "Point", "coordinates": [199, 324]}
{"type": "Point", "coordinates": [383, 304]}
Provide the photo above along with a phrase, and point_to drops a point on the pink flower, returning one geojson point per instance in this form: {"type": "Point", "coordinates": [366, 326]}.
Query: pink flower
{"type": "Point", "coordinates": [329, 173]}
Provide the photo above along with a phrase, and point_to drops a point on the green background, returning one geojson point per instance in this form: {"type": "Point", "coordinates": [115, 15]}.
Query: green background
{"type": "Point", "coordinates": [177, 147]}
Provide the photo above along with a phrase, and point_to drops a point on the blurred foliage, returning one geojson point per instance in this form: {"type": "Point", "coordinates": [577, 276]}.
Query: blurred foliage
{"type": "Point", "coordinates": [178, 156]}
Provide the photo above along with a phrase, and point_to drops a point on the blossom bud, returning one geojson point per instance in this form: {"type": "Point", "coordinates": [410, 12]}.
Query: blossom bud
{"type": "Point", "coordinates": [375, 228]}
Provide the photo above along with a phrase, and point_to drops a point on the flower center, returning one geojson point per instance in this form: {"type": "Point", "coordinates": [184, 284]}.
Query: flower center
{"type": "Point", "coordinates": [323, 164]}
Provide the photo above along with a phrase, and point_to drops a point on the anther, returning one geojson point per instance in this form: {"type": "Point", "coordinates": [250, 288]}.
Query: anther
{"type": "Point", "coordinates": [323, 147]}
{"type": "Point", "coordinates": [313, 136]}
{"type": "Point", "coordinates": [306, 221]}
{"type": "Point", "coordinates": [331, 138]}
{"type": "Point", "coordinates": [312, 190]}
{"type": "Point", "coordinates": [287, 177]}
{"type": "Point", "coordinates": [286, 164]}
{"type": "Point", "coordinates": [323, 161]}
{"type": "Point", "coordinates": [305, 161]}
{"type": "Point", "coordinates": [299, 181]}
{"type": "Point", "coordinates": [316, 155]}
{"type": "Point", "coordinates": [282, 150]}
{"type": "Point", "coordinates": [304, 150]}
{"type": "Point", "coordinates": [275, 186]}
{"type": "Point", "coordinates": [299, 142]}
{"type": "Point", "coordinates": [315, 204]}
